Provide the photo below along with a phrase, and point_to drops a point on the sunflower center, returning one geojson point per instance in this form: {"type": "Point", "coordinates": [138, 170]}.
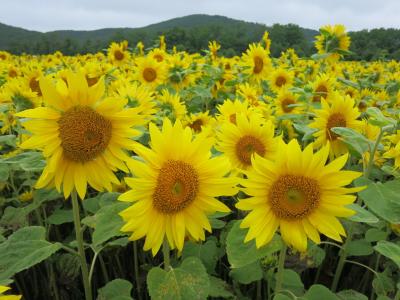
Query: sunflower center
{"type": "Point", "coordinates": [285, 105]}
{"type": "Point", "coordinates": [12, 73]}
{"type": "Point", "coordinates": [258, 64]}
{"type": "Point", "coordinates": [280, 80]}
{"type": "Point", "coordinates": [247, 146]}
{"type": "Point", "coordinates": [321, 91]}
{"type": "Point", "coordinates": [232, 118]}
{"type": "Point", "coordinates": [177, 187]}
{"type": "Point", "coordinates": [294, 197]}
{"type": "Point", "coordinates": [84, 133]}
{"type": "Point", "coordinates": [158, 57]}
{"type": "Point", "coordinates": [34, 85]}
{"type": "Point", "coordinates": [149, 74]}
{"type": "Point", "coordinates": [118, 55]}
{"type": "Point", "coordinates": [335, 120]}
{"type": "Point", "coordinates": [196, 125]}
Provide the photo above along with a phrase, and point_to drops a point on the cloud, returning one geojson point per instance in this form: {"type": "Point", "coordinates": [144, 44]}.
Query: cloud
{"type": "Point", "coordinates": [48, 15]}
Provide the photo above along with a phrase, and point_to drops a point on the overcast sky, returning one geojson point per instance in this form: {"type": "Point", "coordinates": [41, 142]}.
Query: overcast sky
{"type": "Point", "coordinates": [48, 15]}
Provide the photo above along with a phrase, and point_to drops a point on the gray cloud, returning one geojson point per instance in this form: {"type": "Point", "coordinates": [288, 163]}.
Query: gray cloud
{"type": "Point", "coordinates": [48, 15]}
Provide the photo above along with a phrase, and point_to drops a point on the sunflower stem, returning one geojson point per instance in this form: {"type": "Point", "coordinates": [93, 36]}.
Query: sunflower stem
{"type": "Point", "coordinates": [167, 263]}
{"type": "Point", "coordinates": [372, 155]}
{"type": "Point", "coordinates": [136, 267]}
{"type": "Point", "coordinates": [81, 249]}
{"type": "Point", "coordinates": [281, 267]}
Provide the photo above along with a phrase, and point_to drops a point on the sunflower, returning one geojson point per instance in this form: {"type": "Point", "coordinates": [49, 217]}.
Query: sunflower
{"type": "Point", "coordinates": [281, 78]}
{"type": "Point", "coordinates": [170, 105]}
{"type": "Point", "coordinates": [298, 193]}
{"type": "Point", "coordinates": [230, 108]}
{"type": "Point", "coordinates": [257, 61]}
{"type": "Point", "coordinates": [213, 46]}
{"type": "Point", "coordinates": [333, 40]}
{"type": "Point", "coordinates": [174, 189]}
{"type": "Point", "coordinates": [150, 72]}
{"type": "Point", "coordinates": [200, 122]}
{"type": "Point", "coordinates": [158, 54]}
{"type": "Point", "coordinates": [341, 112]}
{"type": "Point", "coordinates": [240, 141]}
{"type": "Point", "coordinates": [322, 87]}
{"type": "Point", "coordinates": [7, 297]}
{"type": "Point", "coordinates": [117, 53]}
{"type": "Point", "coordinates": [287, 103]}
{"type": "Point", "coordinates": [82, 135]}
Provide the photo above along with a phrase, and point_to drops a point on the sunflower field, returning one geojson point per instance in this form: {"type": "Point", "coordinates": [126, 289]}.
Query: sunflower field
{"type": "Point", "coordinates": [151, 173]}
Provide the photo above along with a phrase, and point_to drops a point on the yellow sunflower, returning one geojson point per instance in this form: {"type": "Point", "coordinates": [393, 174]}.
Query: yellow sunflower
{"type": "Point", "coordinates": [117, 54]}
{"type": "Point", "coordinates": [341, 112]}
{"type": "Point", "coordinates": [82, 135]}
{"type": "Point", "coordinates": [323, 87]}
{"type": "Point", "coordinates": [286, 103]}
{"type": "Point", "coordinates": [249, 136]}
{"type": "Point", "coordinates": [174, 189]}
{"type": "Point", "coordinates": [150, 72]}
{"type": "Point", "coordinates": [298, 193]}
{"type": "Point", "coordinates": [281, 78]}
{"type": "Point", "coordinates": [170, 105]}
{"type": "Point", "coordinates": [7, 297]}
{"type": "Point", "coordinates": [257, 61]}
{"type": "Point", "coordinates": [332, 39]}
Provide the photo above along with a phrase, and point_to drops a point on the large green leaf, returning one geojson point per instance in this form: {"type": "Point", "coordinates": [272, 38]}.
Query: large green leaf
{"type": "Point", "coordinates": [24, 249]}
{"type": "Point", "coordinates": [107, 222]}
{"type": "Point", "coordinates": [248, 273]}
{"type": "Point", "coordinates": [351, 295]}
{"type": "Point", "coordinates": [382, 199]}
{"type": "Point", "coordinates": [219, 288]}
{"type": "Point", "coordinates": [240, 253]}
{"type": "Point", "coordinates": [118, 289]}
{"type": "Point", "coordinates": [318, 292]}
{"type": "Point", "coordinates": [207, 253]}
{"type": "Point", "coordinates": [189, 281]}
{"type": "Point", "coordinates": [390, 250]}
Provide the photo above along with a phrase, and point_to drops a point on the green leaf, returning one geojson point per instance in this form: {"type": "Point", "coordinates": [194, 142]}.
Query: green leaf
{"type": "Point", "coordinates": [354, 139]}
{"type": "Point", "coordinates": [374, 235]}
{"type": "Point", "coordinates": [282, 297]}
{"type": "Point", "coordinates": [207, 253]}
{"type": "Point", "coordinates": [382, 199]}
{"type": "Point", "coordinates": [362, 215]}
{"type": "Point", "coordinates": [292, 282]}
{"type": "Point", "coordinates": [383, 284]}
{"type": "Point", "coordinates": [8, 140]}
{"type": "Point", "coordinates": [189, 281]}
{"type": "Point", "coordinates": [219, 288]}
{"type": "Point", "coordinates": [241, 254]}
{"type": "Point", "coordinates": [390, 250]}
{"type": "Point", "coordinates": [377, 117]}
{"type": "Point", "coordinates": [247, 274]}
{"type": "Point", "coordinates": [351, 295]}
{"type": "Point", "coordinates": [4, 172]}
{"type": "Point", "coordinates": [107, 223]}
{"type": "Point", "coordinates": [61, 216]}
{"type": "Point", "coordinates": [359, 248]}
{"type": "Point", "coordinates": [318, 292]}
{"type": "Point", "coordinates": [24, 249]}
{"type": "Point", "coordinates": [118, 289]}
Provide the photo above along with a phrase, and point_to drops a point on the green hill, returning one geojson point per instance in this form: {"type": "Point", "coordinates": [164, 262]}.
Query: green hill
{"type": "Point", "coordinates": [190, 32]}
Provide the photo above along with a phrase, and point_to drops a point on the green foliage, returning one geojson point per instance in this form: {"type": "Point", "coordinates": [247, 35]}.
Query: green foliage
{"type": "Point", "coordinates": [24, 249]}
{"type": "Point", "coordinates": [189, 281]}
{"type": "Point", "coordinates": [117, 289]}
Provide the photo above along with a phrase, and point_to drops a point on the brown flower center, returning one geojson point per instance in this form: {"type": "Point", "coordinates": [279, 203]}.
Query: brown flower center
{"type": "Point", "coordinates": [177, 187]}
{"type": "Point", "coordinates": [196, 125]}
{"type": "Point", "coordinates": [84, 133]}
{"type": "Point", "coordinates": [247, 146]}
{"type": "Point", "coordinates": [119, 55]}
{"type": "Point", "coordinates": [258, 64]}
{"type": "Point", "coordinates": [285, 105]}
{"type": "Point", "coordinates": [149, 74]}
{"type": "Point", "coordinates": [280, 80]}
{"type": "Point", "coordinates": [320, 91]}
{"type": "Point", "coordinates": [335, 120]}
{"type": "Point", "coordinates": [158, 57]}
{"type": "Point", "coordinates": [293, 197]}
{"type": "Point", "coordinates": [34, 85]}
